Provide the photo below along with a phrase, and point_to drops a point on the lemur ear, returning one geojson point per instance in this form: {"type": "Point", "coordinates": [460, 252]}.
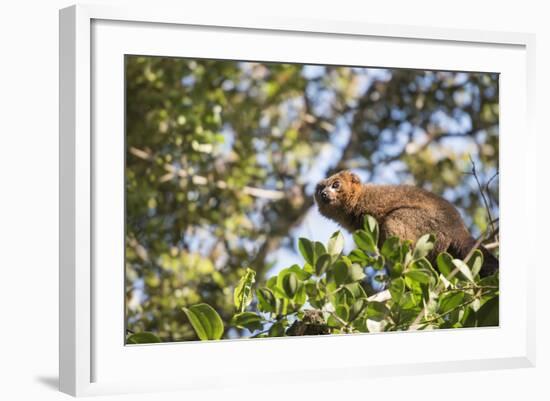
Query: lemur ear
{"type": "Point", "coordinates": [354, 178]}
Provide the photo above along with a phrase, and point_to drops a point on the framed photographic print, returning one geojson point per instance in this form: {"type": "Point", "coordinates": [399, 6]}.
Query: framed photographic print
{"type": "Point", "coordinates": [245, 194]}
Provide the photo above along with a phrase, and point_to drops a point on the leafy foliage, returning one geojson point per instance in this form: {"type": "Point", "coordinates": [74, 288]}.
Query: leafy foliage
{"type": "Point", "coordinates": [142, 338]}
{"type": "Point", "coordinates": [301, 301]}
{"type": "Point", "coordinates": [243, 292]}
{"type": "Point", "coordinates": [207, 323]}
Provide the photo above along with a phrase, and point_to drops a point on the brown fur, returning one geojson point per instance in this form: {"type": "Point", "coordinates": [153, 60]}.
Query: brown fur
{"type": "Point", "coordinates": [404, 211]}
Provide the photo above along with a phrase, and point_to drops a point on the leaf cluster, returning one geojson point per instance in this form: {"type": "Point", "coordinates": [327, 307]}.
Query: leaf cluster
{"type": "Point", "coordinates": [330, 286]}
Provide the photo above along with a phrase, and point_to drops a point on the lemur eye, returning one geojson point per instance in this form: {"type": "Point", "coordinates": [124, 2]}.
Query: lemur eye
{"type": "Point", "coordinates": [336, 184]}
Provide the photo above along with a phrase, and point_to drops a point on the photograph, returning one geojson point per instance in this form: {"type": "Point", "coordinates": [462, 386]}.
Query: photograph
{"type": "Point", "coordinates": [277, 199]}
{"type": "Point", "coordinates": [304, 200]}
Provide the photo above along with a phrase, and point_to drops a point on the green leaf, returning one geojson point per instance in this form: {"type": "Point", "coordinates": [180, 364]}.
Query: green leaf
{"type": "Point", "coordinates": [379, 263]}
{"type": "Point", "coordinates": [342, 297]}
{"type": "Point", "coordinates": [345, 273]}
{"type": "Point", "coordinates": [364, 241]}
{"type": "Point", "coordinates": [423, 246]}
{"type": "Point", "coordinates": [356, 309]}
{"type": "Point", "coordinates": [361, 325]}
{"type": "Point", "coordinates": [335, 244]}
{"type": "Point", "coordinates": [290, 284]}
{"type": "Point", "coordinates": [371, 226]}
{"type": "Point", "coordinates": [464, 269]}
{"type": "Point", "coordinates": [396, 270]}
{"type": "Point", "coordinates": [274, 284]}
{"type": "Point", "coordinates": [340, 271]}
{"type": "Point", "coordinates": [342, 311]}
{"type": "Point", "coordinates": [491, 280]}
{"type": "Point", "coordinates": [247, 320]}
{"type": "Point", "coordinates": [319, 250]}
{"type": "Point", "coordinates": [242, 295]}
{"type": "Point", "coordinates": [421, 271]}
{"type": "Point", "coordinates": [142, 338]}
{"type": "Point", "coordinates": [419, 276]}
{"type": "Point", "coordinates": [391, 250]}
{"type": "Point", "coordinates": [452, 319]}
{"type": "Point", "coordinates": [322, 264]}
{"type": "Point", "coordinates": [445, 264]}
{"type": "Point", "coordinates": [476, 262]}
{"type": "Point", "coordinates": [356, 290]}
{"type": "Point", "coordinates": [301, 274]}
{"type": "Point", "coordinates": [277, 330]}
{"type": "Point", "coordinates": [358, 256]}
{"type": "Point", "coordinates": [205, 320]}
{"type": "Point", "coordinates": [306, 249]}
{"type": "Point", "coordinates": [308, 269]}
{"type": "Point", "coordinates": [488, 314]}
{"type": "Point", "coordinates": [397, 289]}
{"type": "Point", "coordinates": [355, 273]}
{"type": "Point", "coordinates": [282, 305]}
{"type": "Point", "coordinates": [266, 300]}
{"type": "Point", "coordinates": [424, 264]}
{"type": "Point", "coordinates": [450, 300]}
{"type": "Point", "coordinates": [300, 297]}
{"type": "Point", "coordinates": [408, 301]}
{"type": "Point", "coordinates": [287, 284]}
{"type": "Point", "coordinates": [333, 322]}
{"type": "Point", "coordinates": [377, 311]}
{"type": "Point", "coordinates": [406, 252]}
{"type": "Point", "coordinates": [312, 289]}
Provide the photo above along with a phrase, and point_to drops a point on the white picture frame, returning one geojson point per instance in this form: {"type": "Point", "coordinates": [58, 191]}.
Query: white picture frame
{"type": "Point", "coordinates": [92, 361]}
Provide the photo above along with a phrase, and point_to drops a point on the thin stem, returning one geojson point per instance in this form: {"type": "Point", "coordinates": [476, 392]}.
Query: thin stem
{"type": "Point", "coordinates": [418, 323]}
{"type": "Point", "coordinates": [472, 287]}
{"type": "Point", "coordinates": [338, 319]}
{"type": "Point", "coordinates": [482, 192]}
{"type": "Point", "coordinates": [462, 305]}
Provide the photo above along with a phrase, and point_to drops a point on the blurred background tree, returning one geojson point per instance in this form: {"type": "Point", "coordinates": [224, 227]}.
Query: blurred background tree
{"type": "Point", "coordinates": [223, 156]}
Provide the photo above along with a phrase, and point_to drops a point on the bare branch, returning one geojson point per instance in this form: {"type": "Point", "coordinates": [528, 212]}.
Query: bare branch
{"type": "Point", "coordinates": [476, 246]}
{"type": "Point", "coordinates": [173, 171]}
{"type": "Point", "coordinates": [140, 153]}
{"type": "Point", "coordinates": [482, 192]}
{"type": "Point", "coordinates": [492, 245]}
{"type": "Point", "coordinates": [487, 187]}
{"type": "Point", "coordinates": [196, 179]}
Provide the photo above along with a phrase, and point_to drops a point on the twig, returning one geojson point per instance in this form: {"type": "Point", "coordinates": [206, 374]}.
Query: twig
{"type": "Point", "coordinates": [492, 245]}
{"type": "Point", "coordinates": [173, 171]}
{"type": "Point", "coordinates": [470, 287]}
{"type": "Point", "coordinates": [440, 316]}
{"type": "Point", "coordinates": [260, 333]}
{"type": "Point", "coordinates": [338, 319]}
{"type": "Point", "coordinates": [270, 194]}
{"type": "Point", "coordinates": [486, 203]}
{"type": "Point", "coordinates": [487, 187]}
{"type": "Point", "coordinates": [476, 246]}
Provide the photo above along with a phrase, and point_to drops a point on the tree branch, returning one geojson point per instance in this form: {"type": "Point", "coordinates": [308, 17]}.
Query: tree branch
{"type": "Point", "coordinates": [482, 192]}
